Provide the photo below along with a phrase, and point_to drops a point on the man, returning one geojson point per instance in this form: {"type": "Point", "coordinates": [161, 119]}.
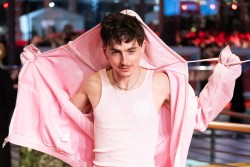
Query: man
{"type": "Point", "coordinates": [123, 45]}
{"type": "Point", "coordinates": [123, 49]}
{"type": "Point", "coordinates": [6, 107]}
{"type": "Point", "coordinates": [139, 109]}
{"type": "Point", "coordinates": [7, 103]}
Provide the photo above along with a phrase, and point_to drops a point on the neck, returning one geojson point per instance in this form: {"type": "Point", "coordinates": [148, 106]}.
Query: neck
{"type": "Point", "coordinates": [126, 83]}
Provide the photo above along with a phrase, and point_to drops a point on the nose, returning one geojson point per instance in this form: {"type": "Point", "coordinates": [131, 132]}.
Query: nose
{"type": "Point", "coordinates": [124, 60]}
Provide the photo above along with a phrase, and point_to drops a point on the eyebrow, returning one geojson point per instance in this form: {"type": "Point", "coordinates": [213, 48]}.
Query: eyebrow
{"type": "Point", "coordinates": [131, 48]}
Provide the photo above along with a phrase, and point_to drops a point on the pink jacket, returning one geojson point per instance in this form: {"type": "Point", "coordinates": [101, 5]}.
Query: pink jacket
{"type": "Point", "coordinates": [44, 118]}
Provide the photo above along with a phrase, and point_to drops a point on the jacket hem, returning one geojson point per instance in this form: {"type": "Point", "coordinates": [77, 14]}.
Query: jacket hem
{"type": "Point", "coordinates": [31, 142]}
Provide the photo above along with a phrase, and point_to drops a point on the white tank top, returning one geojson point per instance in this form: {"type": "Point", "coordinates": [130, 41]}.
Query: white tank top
{"type": "Point", "coordinates": [125, 126]}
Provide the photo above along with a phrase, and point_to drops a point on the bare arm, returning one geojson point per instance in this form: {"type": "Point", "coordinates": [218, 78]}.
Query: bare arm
{"type": "Point", "coordinates": [88, 94]}
{"type": "Point", "coordinates": [80, 100]}
{"type": "Point", "coordinates": [161, 89]}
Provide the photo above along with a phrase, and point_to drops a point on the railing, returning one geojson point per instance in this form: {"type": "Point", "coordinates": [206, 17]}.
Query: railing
{"type": "Point", "coordinates": [219, 144]}
{"type": "Point", "coordinates": [219, 147]}
{"type": "Point", "coordinates": [11, 67]}
{"type": "Point", "coordinates": [236, 127]}
{"type": "Point", "coordinates": [230, 126]}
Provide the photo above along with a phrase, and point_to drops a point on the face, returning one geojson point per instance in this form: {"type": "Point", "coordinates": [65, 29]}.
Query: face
{"type": "Point", "coordinates": [124, 57]}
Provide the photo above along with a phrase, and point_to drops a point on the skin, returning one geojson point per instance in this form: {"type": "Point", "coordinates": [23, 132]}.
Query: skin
{"type": "Point", "coordinates": [124, 59]}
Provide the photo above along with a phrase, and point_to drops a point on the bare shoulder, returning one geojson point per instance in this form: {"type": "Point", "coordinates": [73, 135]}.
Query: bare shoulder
{"type": "Point", "coordinates": [91, 82]}
{"type": "Point", "coordinates": [88, 93]}
{"type": "Point", "coordinates": [160, 79]}
{"type": "Point", "coordinates": [161, 85]}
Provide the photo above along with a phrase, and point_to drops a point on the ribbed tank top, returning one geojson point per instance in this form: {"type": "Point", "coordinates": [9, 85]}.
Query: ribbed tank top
{"type": "Point", "coordinates": [125, 126]}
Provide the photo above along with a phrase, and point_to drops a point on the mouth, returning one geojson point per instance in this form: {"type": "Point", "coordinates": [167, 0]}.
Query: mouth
{"type": "Point", "coordinates": [124, 68]}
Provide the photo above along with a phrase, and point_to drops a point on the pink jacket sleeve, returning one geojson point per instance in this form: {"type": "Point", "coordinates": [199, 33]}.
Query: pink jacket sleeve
{"type": "Point", "coordinates": [219, 90]}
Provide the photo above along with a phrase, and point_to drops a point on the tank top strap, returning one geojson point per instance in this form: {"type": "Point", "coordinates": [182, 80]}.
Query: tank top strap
{"type": "Point", "coordinates": [104, 77]}
{"type": "Point", "coordinates": [148, 85]}
{"type": "Point", "coordinates": [148, 79]}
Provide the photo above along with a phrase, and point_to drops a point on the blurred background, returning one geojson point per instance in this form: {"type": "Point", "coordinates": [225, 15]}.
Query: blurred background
{"type": "Point", "coordinates": [177, 22]}
{"type": "Point", "coordinates": [195, 29]}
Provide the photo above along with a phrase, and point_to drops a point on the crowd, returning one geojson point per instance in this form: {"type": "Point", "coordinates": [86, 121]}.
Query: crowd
{"type": "Point", "coordinates": [54, 40]}
{"type": "Point", "coordinates": [200, 39]}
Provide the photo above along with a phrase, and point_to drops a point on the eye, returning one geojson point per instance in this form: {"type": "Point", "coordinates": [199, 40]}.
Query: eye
{"type": "Point", "coordinates": [115, 53]}
{"type": "Point", "coordinates": [131, 52]}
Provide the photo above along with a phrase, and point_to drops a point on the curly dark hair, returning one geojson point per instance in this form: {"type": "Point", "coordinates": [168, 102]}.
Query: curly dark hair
{"type": "Point", "coordinates": [118, 28]}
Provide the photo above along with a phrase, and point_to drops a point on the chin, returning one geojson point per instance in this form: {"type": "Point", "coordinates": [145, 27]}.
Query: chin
{"type": "Point", "coordinates": [125, 73]}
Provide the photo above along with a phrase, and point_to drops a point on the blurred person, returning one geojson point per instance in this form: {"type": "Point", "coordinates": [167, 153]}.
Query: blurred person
{"type": "Point", "coordinates": [69, 32]}
{"type": "Point", "coordinates": [6, 108]}
{"type": "Point", "coordinates": [238, 103]}
{"type": "Point", "coordinates": [127, 103]}
{"type": "Point", "coordinates": [7, 101]}
{"type": "Point", "coordinates": [238, 100]}
{"type": "Point", "coordinates": [35, 40]}
{"type": "Point", "coordinates": [65, 36]}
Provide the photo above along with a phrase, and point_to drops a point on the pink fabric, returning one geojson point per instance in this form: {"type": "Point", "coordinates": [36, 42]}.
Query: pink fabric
{"type": "Point", "coordinates": [44, 119]}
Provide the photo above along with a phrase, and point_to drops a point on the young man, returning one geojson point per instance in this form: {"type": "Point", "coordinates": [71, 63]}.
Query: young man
{"type": "Point", "coordinates": [139, 109]}
{"type": "Point", "coordinates": [126, 98]}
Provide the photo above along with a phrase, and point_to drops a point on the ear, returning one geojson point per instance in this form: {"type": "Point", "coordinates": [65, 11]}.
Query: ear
{"type": "Point", "coordinates": [104, 51]}
{"type": "Point", "coordinates": [143, 47]}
